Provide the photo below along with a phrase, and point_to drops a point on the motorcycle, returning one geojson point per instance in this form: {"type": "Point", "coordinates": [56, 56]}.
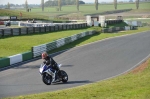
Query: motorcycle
{"type": "Point", "coordinates": [48, 76]}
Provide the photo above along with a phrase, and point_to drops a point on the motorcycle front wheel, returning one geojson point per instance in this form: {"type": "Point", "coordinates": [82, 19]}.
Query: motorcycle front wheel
{"type": "Point", "coordinates": [64, 76]}
{"type": "Point", "coordinates": [47, 79]}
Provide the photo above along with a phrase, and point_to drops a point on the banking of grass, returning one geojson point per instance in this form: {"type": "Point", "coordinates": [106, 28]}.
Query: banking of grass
{"type": "Point", "coordinates": [132, 85]}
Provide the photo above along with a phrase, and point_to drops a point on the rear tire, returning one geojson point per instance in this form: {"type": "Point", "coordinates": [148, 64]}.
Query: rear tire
{"type": "Point", "coordinates": [64, 76]}
{"type": "Point", "coordinates": [47, 79]}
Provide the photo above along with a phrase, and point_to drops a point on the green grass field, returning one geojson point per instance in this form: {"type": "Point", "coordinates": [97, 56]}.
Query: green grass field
{"type": "Point", "coordinates": [90, 8]}
{"type": "Point", "coordinates": [127, 86]}
{"type": "Point", "coordinates": [50, 12]}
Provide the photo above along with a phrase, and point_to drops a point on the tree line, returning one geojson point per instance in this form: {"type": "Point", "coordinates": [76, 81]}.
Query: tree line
{"type": "Point", "coordinates": [60, 3]}
{"type": "Point", "coordinates": [63, 2]}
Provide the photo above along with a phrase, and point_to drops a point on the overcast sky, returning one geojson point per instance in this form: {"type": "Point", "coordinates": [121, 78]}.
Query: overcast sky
{"type": "Point", "coordinates": [39, 1]}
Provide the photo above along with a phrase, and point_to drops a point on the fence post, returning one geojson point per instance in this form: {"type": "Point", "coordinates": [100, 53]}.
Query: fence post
{"type": "Point", "coordinates": [62, 27]}
{"type": "Point", "coordinates": [69, 26]}
{"type": "Point", "coordinates": [27, 30]}
{"type": "Point", "coordinates": [72, 26]}
{"type": "Point", "coordinates": [44, 28]}
{"type": "Point", "coordinates": [2, 32]}
{"type": "Point", "coordinates": [33, 29]}
{"type": "Point", "coordinates": [19, 31]}
{"type": "Point", "coordinates": [39, 29]}
{"type": "Point", "coordinates": [58, 28]}
{"type": "Point", "coordinates": [54, 28]}
{"type": "Point", "coordinates": [11, 30]}
{"type": "Point", "coordinates": [86, 24]}
{"type": "Point", "coordinates": [66, 27]}
{"type": "Point", "coordinates": [49, 28]}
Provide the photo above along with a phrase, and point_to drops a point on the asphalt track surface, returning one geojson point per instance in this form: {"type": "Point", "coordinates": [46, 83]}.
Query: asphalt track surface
{"type": "Point", "coordinates": [86, 64]}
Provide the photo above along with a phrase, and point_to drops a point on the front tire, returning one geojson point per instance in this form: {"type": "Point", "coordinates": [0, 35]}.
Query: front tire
{"type": "Point", "coordinates": [64, 76]}
{"type": "Point", "coordinates": [47, 79]}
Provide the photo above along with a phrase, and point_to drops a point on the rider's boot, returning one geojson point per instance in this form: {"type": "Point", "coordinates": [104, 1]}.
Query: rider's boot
{"type": "Point", "coordinates": [59, 65]}
{"type": "Point", "coordinates": [54, 76]}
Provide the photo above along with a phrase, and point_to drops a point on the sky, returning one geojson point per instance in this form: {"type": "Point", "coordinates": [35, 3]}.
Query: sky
{"type": "Point", "coordinates": [39, 1]}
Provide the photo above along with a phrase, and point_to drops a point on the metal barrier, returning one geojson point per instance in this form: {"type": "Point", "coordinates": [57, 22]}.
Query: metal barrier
{"type": "Point", "coordinates": [37, 50]}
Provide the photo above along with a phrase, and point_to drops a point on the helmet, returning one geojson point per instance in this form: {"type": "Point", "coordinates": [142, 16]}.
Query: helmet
{"type": "Point", "coordinates": [44, 55]}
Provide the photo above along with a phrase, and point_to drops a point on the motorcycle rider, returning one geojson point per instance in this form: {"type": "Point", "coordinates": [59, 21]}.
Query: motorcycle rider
{"type": "Point", "coordinates": [49, 61]}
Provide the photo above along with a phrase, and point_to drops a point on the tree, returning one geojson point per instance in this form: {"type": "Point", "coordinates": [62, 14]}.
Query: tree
{"type": "Point", "coordinates": [8, 5]}
{"type": "Point", "coordinates": [115, 4]}
{"type": "Point", "coordinates": [137, 4]}
{"type": "Point", "coordinates": [59, 5]}
{"type": "Point", "coordinates": [81, 2]}
{"type": "Point", "coordinates": [42, 5]}
{"type": "Point", "coordinates": [62, 2]}
{"type": "Point", "coordinates": [96, 4]}
{"type": "Point", "coordinates": [77, 3]}
{"type": "Point", "coordinates": [26, 5]}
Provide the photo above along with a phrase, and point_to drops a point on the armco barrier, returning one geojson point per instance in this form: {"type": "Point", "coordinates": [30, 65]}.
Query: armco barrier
{"type": "Point", "coordinates": [110, 30]}
{"type": "Point", "coordinates": [15, 59]}
{"type": "Point", "coordinates": [127, 27]}
{"type": "Point", "coordinates": [51, 45]}
{"type": "Point", "coordinates": [4, 62]}
{"type": "Point", "coordinates": [26, 56]}
{"type": "Point", "coordinates": [37, 50]}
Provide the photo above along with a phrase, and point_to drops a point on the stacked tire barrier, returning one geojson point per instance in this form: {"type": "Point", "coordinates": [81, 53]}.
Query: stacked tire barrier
{"type": "Point", "coordinates": [37, 50]}
{"type": "Point", "coordinates": [110, 30]}
{"type": "Point", "coordinates": [114, 29]}
{"type": "Point", "coordinates": [31, 30]}
{"type": "Point", "coordinates": [110, 22]}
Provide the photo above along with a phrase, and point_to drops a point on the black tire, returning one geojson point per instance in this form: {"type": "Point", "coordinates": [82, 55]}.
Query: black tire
{"type": "Point", "coordinates": [47, 79]}
{"type": "Point", "coordinates": [64, 76]}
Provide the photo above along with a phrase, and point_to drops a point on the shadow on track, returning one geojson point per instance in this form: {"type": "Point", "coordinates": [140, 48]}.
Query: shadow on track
{"type": "Point", "coordinates": [73, 82]}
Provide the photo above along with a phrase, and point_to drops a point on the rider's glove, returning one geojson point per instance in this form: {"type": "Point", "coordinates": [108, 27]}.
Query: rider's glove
{"type": "Point", "coordinates": [44, 62]}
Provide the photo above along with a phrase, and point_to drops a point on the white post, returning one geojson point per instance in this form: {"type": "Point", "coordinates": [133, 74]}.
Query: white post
{"type": "Point", "coordinates": [89, 20]}
{"type": "Point", "coordinates": [102, 21]}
